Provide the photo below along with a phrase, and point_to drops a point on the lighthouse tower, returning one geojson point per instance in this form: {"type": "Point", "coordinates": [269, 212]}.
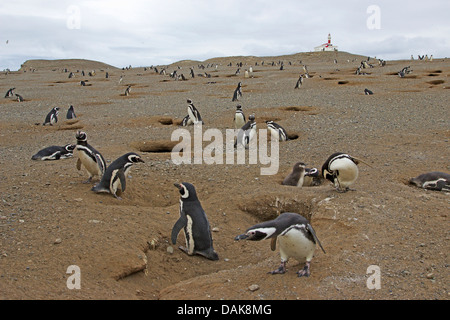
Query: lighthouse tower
{"type": "Point", "coordinates": [326, 46]}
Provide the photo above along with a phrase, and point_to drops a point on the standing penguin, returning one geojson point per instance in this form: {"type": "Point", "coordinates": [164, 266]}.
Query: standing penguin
{"type": "Point", "coordinates": [239, 117]}
{"type": "Point", "coordinates": [10, 93]}
{"type": "Point", "coordinates": [89, 157]}
{"type": "Point", "coordinates": [237, 92]}
{"type": "Point", "coordinates": [52, 117]}
{"type": "Point", "coordinates": [193, 113]}
{"type": "Point", "coordinates": [246, 133]}
{"type": "Point", "coordinates": [195, 223]}
{"type": "Point", "coordinates": [296, 239]}
{"type": "Point", "coordinates": [277, 131]}
{"type": "Point", "coordinates": [342, 170]}
{"type": "Point", "coordinates": [299, 82]}
{"type": "Point", "coordinates": [70, 113]}
{"type": "Point", "coordinates": [116, 174]}
{"type": "Point", "coordinates": [367, 92]}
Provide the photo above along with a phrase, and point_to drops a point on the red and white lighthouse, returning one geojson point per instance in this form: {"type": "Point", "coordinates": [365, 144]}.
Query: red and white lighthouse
{"type": "Point", "coordinates": [328, 46]}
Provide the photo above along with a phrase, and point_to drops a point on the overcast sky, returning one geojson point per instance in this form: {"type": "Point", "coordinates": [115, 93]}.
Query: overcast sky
{"type": "Point", "coordinates": [157, 32]}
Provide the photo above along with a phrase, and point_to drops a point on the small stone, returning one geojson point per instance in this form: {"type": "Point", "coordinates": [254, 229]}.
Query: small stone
{"type": "Point", "coordinates": [253, 287]}
{"type": "Point", "coordinates": [215, 229]}
{"type": "Point", "coordinates": [430, 276]}
{"type": "Point", "coordinates": [170, 249]}
{"type": "Point", "coordinates": [57, 241]}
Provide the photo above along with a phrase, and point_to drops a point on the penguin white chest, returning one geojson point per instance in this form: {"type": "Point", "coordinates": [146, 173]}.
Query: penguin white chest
{"type": "Point", "coordinates": [295, 244]}
{"type": "Point", "coordinates": [347, 172]}
{"type": "Point", "coordinates": [239, 121]}
{"type": "Point", "coordinates": [91, 166]}
{"type": "Point", "coordinates": [189, 236]}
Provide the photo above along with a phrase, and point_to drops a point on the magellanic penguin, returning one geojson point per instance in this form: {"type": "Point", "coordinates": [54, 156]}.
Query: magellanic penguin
{"type": "Point", "coordinates": [70, 113]}
{"type": "Point", "coordinates": [277, 131]}
{"type": "Point", "coordinates": [89, 157]}
{"type": "Point", "coordinates": [239, 117]}
{"type": "Point", "coordinates": [246, 133]}
{"type": "Point", "coordinates": [195, 223]}
{"type": "Point", "coordinates": [367, 92]}
{"type": "Point", "coordinates": [299, 82]}
{"type": "Point", "coordinates": [193, 113]}
{"type": "Point", "coordinates": [296, 177]}
{"type": "Point", "coordinates": [237, 92]}
{"type": "Point", "coordinates": [54, 153]}
{"type": "Point", "coordinates": [312, 177]}
{"type": "Point", "coordinates": [19, 98]}
{"type": "Point", "coordinates": [435, 180]}
{"type": "Point", "coordinates": [342, 170]}
{"type": "Point", "coordinates": [116, 174]}
{"type": "Point", "coordinates": [10, 93]}
{"type": "Point", "coordinates": [296, 239]}
{"type": "Point", "coordinates": [52, 116]}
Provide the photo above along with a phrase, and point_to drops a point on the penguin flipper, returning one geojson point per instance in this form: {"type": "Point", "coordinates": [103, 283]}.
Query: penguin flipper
{"type": "Point", "coordinates": [273, 243]}
{"type": "Point", "coordinates": [310, 229]}
{"type": "Point", "coordinates": [181, 223]}
{"type": "Point", "coordinates": [79, 164]}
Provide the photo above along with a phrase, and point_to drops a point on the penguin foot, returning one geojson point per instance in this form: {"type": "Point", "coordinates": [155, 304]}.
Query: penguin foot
{"type": "Point", "coordinates": [88, 180]}
{"type": "Point", "coordinates": [281, 269]}
{"type": "Point", "coordinates": [305, 272]}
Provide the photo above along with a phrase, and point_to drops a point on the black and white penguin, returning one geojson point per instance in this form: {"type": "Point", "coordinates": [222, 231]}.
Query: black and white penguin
{"type": "Point", "coordinates": [186, 121]}
{"type": "Point", "coordinates": [116, 174]}
{"type": "Point", "coordinates": [237, 92]}
{"type": "Point", "coordinates": [193, 113]}
{"type": "Point", "coordinates": [19, 98]}
{"type": "Point", "coordinates": [342, 170]}
{"type": "Point", "coordinates": [435, 180]}
{"type": "Point", "coordinates": [10, 93]}
{"type": "Point", "coordinates": [195, 223]}
{"type": "Point", "coordinates": [296, 239]}
{"type": "Point", "coordinates": [239, 117]}
{"type": "Point", "coordinates": [52, 116]}
{"type": "Point", "coordinates": [54, 153]}
{"type": "Point", "coordinates": [277, 131]}
{"type": "Point", "coordinates": [127, 91]}
{"type": "Point", "coordinates": [367, 92]}
{"type": "Point", "coordinates": [296, 177]}
{"type": "Point", "coordinates": [299, 82]}
{"type": "Point", "coordinates": [312, 177]}
{"type": "Point", "coordinates": [246, 133]}
{"type": "Point", "coordinates": [70, 113]}
{"type": "Point", "coordinates": [89, 157]}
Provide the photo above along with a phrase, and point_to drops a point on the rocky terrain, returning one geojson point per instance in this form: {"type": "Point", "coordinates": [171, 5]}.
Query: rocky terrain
{"type": "Point", "coordinates": [50, 220]}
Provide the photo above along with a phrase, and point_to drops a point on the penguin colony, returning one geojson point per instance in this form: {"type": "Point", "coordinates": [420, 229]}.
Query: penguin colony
{"type": "Point", "coordinates": [294, 234]}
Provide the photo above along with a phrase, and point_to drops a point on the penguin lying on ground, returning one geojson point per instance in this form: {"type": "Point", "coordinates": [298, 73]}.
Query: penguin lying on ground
{"type": "Point", "coordinates": [116, 174]}
{"type": "Point", "coordinates": [437, 181]}
{"type": "Point", "coordinates": [54, 153]}
{"type": "Point", "coordinates": [296, 239]}
{"type": "Point", "coordinates": [195, 223]}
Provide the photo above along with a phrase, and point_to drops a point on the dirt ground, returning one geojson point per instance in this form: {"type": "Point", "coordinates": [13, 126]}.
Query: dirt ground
{"type": "Point", "coordinates": [50, 220]}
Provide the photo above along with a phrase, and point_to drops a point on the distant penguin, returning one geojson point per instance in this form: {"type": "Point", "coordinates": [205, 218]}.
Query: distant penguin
{"type": "Point", "coordinates": [52, 117]}
{"type": "Point", "coordinates": [10, 93]}
{"type": "Point", "coordinates": [193, 113]}
{"type": "Point", "coordinates": [299, 82]}
{"type": "Point", "coordinates": [54, 153]}
{"type": "Point", "coordinates": [195, 224]}
{"type": "Point", "coordinates": [70, 113]}
{"type": "Point", "coordinates": [277, 131]}
{"type": "Point", "coordinates": [237, 92]}
{"type": "Point", "coordinates": [127, 91]}
{"type": "Point", "coordinates": [89, 157]}
{"type": "Point", "coordinates": [367, 92]}
{"type": "Point", "coordinates": [296, 239]}
{"type": "Point", "coordinates": [435, 180]}
{"type": "Point", "coordinates": [246, 133]}
{"type": "Point", "coordinates": [239, 117]}
{"type": "Point", "coordinates": [19, 98]}
{"type": "Point", "coordinates": [296, 177]}
{"type": "Point", "coordinates": [186, 121]}
{"type": "Point", "coordinates": [342, 170]}
{"type": "Point", "coordinates": [115, 175]}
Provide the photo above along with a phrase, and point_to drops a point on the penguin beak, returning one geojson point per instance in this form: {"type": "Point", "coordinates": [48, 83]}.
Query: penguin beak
{"type": "Point", "coordinates": [241, 237]}
{"type": "Point", "coordinates": [177, 185]}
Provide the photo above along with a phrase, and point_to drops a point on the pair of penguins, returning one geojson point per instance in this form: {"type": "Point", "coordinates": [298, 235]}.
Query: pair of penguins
{"type": "Point", "coordinates": [52, 116]}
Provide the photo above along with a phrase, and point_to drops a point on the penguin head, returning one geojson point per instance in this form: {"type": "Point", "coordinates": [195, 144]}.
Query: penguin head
{"type": "Point", "coordinates": [81, 136]}
{"type": "Point", "coordinates": [300, 166]}
{"type": "Point", "coordinates": [134, 157]}
{"type": "Point", "coordinates": [313, 172]}
{"type": "Point", "coordinates": [238, 107]}
{"type": "Point", "coordinates": [256, 233]}
{"type": "Point", "coordinates": [69, 147]}
{"type": "Point", "coordinates": [187, 191]}
{"type": "Point", "coordinates": [251, 117]}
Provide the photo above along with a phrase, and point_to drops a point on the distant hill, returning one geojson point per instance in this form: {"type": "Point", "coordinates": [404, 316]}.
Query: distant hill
{"type": "Point", "coordinates": [70, 64]}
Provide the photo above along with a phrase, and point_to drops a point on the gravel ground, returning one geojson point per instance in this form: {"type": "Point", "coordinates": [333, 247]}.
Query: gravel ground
{"type": "Point", "coordinates": [50, 220]}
